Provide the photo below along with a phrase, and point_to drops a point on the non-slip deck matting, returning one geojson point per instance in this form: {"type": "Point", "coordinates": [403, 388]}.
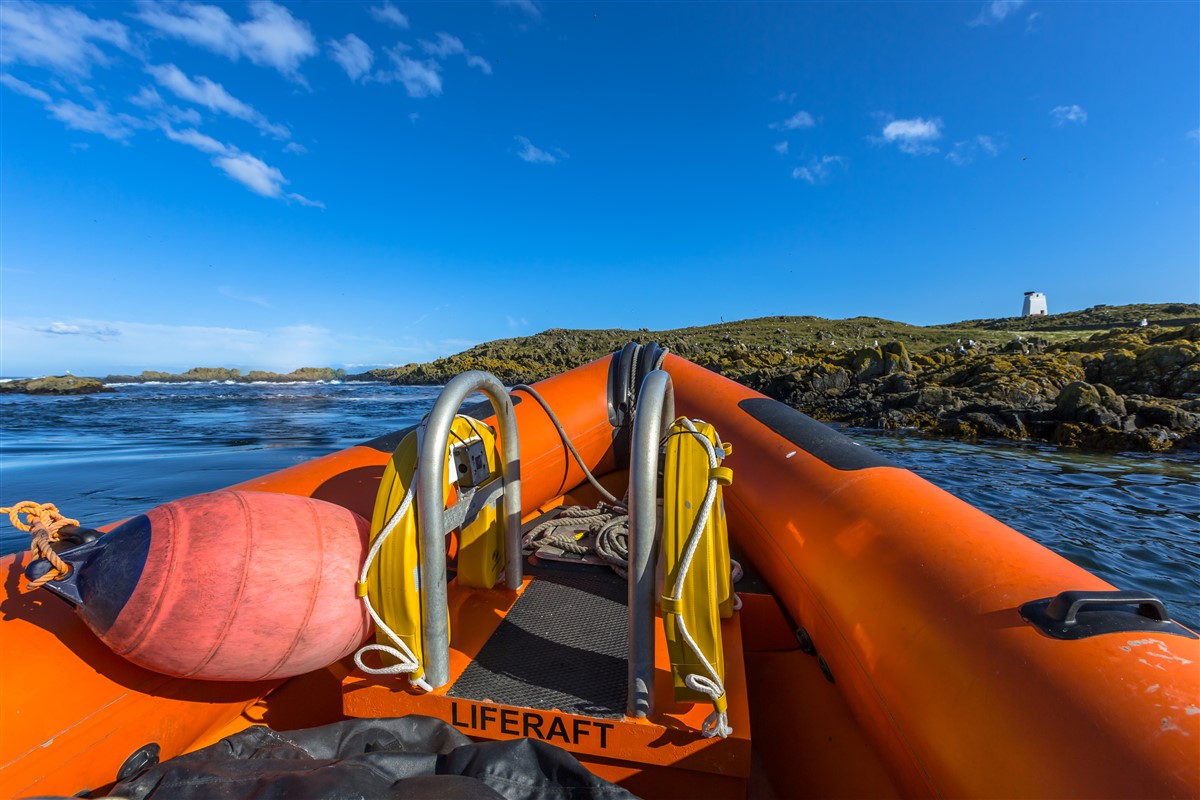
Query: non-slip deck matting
{"type": "Point", "coordinates": [563, 645]}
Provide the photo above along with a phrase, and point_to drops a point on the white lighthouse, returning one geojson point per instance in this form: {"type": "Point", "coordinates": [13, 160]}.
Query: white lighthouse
{"type": "Point", "coordinates": [1035, 305]}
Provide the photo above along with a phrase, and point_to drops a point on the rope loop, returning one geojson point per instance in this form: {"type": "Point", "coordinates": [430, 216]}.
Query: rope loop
{"type": "Point", "coordinates": [44, 522]}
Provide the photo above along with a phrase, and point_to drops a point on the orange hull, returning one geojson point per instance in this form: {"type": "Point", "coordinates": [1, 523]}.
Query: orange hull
{"type": "Point", "coordinates": [910, 597]}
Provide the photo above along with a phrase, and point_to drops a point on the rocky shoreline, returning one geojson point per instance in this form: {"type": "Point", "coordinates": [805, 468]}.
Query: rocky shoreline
{"type": "Point", "coordinates": [1107, 378]}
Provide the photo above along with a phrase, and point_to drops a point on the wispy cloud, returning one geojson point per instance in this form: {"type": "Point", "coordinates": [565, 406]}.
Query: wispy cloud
{"type": "Point", "coordinates": [59, 37]}
{"type": "Point", "coordinates": [234, 294]}
{"type": "Point", "coordinates": [272, 37]}
{"type": "Point", "coordinates": [1194, 135]}
{"type": "Point", "coordinates": [194, 138]}
{"type": "Point", "coordinates": [149, 99]}
{"type": "Point", "coordinates": [996, 12]}
{"type": "Point", "coordinates": [419, 78]}
{"type": "Point", "coordinates": [964, 152]}
{"type": "Point", "coordinates": [1064, 114]}
{"type": "Point", "coordinates": [213, 96]}
{"type": "Point", "coordinates": [913, 136]}
{"type": "Point", "coordinates": [447, 45]}
{"type": "Point", "coordinates": [516, 323]}
{"type": "Point", "coordinates": [529, 7]}
{"type": "Point", "coordinates": [533, 154]}
{"type": "Point", "coordinates": [253, 173]}
{"type": "Point", "coordinates": [388, 14]}
{"type": "Point", "coordinates": [91, 331]}
{"type": "Point", "coordinates": [353, 54]}
{"type": "Point", "coordinates": [781, 148]}
{"type": "Point", "coordinates": [21, 87]}
{"type": "Point", "coordinates": [817, 170]}
{"type": "Point", "coordinates": [97, 119]}
{"type": "Point", "coordinates": [259, 177]}
{"type": "Point", "coordinates": [801, 119]}
{"type": "Point", "coordinates": [295, 147]}
{"type": "Point", "coordinates": [784, 97]}
{"type": "Point", "coordinates": [1031, 22]}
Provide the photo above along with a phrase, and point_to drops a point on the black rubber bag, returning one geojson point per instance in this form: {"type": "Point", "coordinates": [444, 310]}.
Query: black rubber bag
{"type": "Point", "coordinates": [407, 757]}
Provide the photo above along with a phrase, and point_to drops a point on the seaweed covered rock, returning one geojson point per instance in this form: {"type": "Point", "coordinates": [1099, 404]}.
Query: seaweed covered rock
{"type": "Point", "coordinates": [55, 385]}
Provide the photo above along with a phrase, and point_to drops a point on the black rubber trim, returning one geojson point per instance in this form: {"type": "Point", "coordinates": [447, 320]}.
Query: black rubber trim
{"type": "Point", "coordinates": [835, 449]}
{"type": "Point", "coordinates": [389, 441]}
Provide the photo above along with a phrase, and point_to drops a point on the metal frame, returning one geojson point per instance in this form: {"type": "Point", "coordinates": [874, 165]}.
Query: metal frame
{"type": "Point", "coordinates": [655, 412]}
{"type": "Point", "coordinates": [432, 519]}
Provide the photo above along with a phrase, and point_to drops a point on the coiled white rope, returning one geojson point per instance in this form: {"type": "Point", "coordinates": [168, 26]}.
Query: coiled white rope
{"type": "Point", "coordinates": [716, 723]}
{"type": "Point", "coordinates": [407, 662]}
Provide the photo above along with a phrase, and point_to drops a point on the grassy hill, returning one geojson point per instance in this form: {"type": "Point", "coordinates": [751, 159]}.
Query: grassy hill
{"type": "Point", "coordinates": [773, 341]}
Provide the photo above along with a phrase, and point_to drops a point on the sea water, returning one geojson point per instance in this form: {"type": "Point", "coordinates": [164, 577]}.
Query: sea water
{"type": "Point", "coordinates": [1133, 519]}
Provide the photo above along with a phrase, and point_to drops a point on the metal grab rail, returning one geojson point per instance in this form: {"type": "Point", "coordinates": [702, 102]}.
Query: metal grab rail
{"type": "Point", "coordinates": [432, 519]}
{"type": "Point", "coordinates": [655, 412]}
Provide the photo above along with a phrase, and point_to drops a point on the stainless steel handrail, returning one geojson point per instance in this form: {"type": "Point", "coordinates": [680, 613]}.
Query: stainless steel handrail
{"type": "Point", "coordinates": [431, 502]}
{"type": "Point", "coordinates": [655, 412]}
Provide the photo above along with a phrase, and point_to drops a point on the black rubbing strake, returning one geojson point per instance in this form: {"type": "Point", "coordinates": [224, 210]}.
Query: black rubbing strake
{"type": "Point", "coordinates": [835, 449]}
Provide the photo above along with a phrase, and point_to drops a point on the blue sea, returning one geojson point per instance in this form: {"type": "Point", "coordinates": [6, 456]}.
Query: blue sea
{"type": "Point", "coordinates": [1133, 519]}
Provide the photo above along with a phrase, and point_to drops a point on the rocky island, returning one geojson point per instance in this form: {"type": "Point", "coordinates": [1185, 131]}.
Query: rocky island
{"type": "Point", "coordinates": [1097, 378]}
{"type": "Point", "coordinates": [1108, 377]}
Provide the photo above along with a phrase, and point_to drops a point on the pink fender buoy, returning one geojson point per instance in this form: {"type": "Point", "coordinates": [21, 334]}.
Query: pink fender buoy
{"type": "Point", "coordinates": [227, 586]}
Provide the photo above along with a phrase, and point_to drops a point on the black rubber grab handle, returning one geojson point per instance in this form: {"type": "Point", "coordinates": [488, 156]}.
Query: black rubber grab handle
{"type": "Point", "coordinates": [1066, 606]}
{"type": "Point", "coordinates": [1082, 614]}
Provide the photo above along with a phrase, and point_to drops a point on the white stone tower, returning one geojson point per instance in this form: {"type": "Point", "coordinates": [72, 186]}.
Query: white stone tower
{"type": "Point", "coordinates": [1035, 305]}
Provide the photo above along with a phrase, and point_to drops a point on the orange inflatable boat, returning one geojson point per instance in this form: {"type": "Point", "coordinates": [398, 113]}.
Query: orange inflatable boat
{"type": "Point", "coordinates": [691, 588]}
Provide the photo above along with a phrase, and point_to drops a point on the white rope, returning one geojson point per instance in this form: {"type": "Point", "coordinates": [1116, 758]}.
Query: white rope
{"type": "Point", "coordinates": [717, 723]}
{"type": "Point", "coordinates": [408, 663]}
{"type": "Point", "coordinates": [407, 660]}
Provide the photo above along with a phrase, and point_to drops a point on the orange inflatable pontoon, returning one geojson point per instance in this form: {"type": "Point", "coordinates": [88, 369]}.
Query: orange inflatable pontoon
{"type": "Point", "coordinates": [877, 637]}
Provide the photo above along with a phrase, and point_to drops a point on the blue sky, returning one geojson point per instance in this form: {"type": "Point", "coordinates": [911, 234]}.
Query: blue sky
{"type": "Point", "coordinates": [267, 185]}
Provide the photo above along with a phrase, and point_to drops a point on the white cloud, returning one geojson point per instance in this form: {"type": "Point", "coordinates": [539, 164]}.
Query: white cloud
{"type": "Point", "coordinates": [784, 97]}
{"type": "Point", "coordinates": [964, 152]}
{"type": "Point", "coordinates": [149, 99]}
{"type": "Point", "coordinates": [781, 148]}
{"type": "Point", "coordinates": [1031, 22]}
{"type": "Point", "coordinates": [389, 15]}
{"type": "Point", "coordinates": [1194, 135]}
{"type": "Point", "coordinates": [253, 173]}
{"type": "Point", "coordinates": [479, 62]}
{"type": "Point", "coordinates": [818, 169]}
{"type": "Point", "coordinates": [801, 119]}
{"type": "Point", "coordinates": [97, 119]}
{"type": "Point", "coordinates": [21, 87]}
{"type": "Point", "coordinates": [295, 147]}
{"type": "Point", "coordinates": [92, 331]}
{"type": "Point", "coordinates": [213, 96]}
{"type": "Point", "coordinates": [447, 45]}
{"type": "Point", "coordinates": [353, 54]}
{"type": "Point", "coordinates": [995, 12]}
{"type": "Point", "coordinates": [527, 6]}
{"type": "Point", "coordinates": [272, 37]}
{"type": "Point", "coordinates": [1064, 114]}
{"type": "Point", "coordinates": [532, 154]}
{"type": "Point", "coordinates": [194, 138]}
{"type": "Point", "coordinates": [88, 346]}
{"type": "Point", "coordinates": [516, 323]}
{"type": "Point", "coordinates": [420, 78]}
{"type": "Point", "coordinates": [913, 136]}
{"type": "Point", "coordinates": [57, 36]}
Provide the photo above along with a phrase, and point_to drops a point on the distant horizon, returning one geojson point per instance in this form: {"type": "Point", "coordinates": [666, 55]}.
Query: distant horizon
{"type": "Point", "coordinates": [360, 368]}
{"type": "Point", "coordinates": [273, 183]}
